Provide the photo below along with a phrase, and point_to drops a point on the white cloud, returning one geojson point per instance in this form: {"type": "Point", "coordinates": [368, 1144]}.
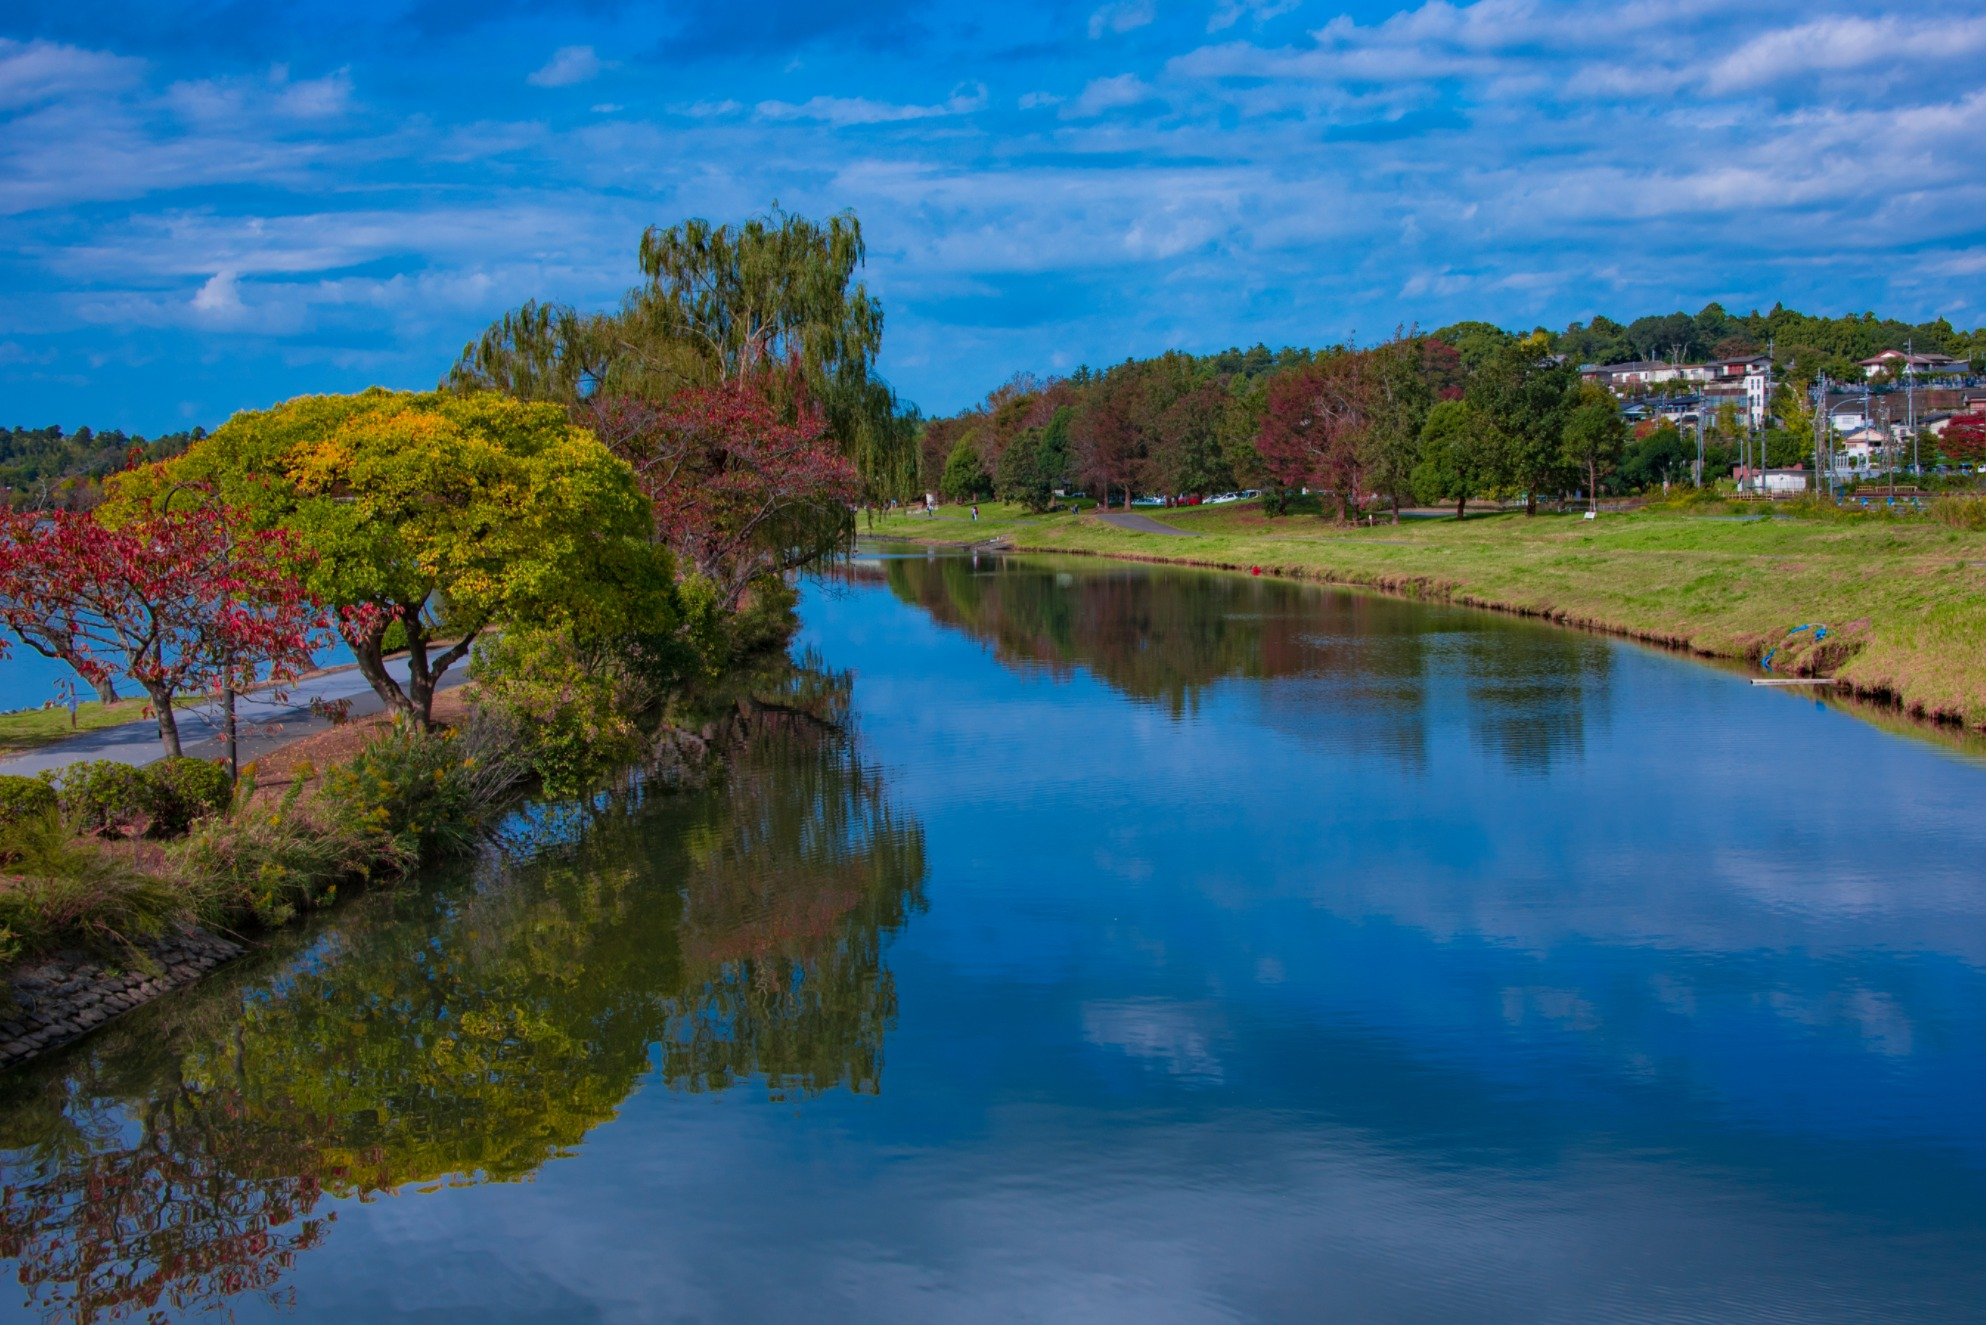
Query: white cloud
{"type": "Point", "coordinates": [1034, 100]}
{"type": "Point", "coordinates": [1842, 44]}
{"type": "Point", "coordinates": [1102, 94]}
{"type": "Point", "coordinates": [861, 110]}
{"type": "Point", "coordinates": [39, 71]}
{"type": "Point", "coordinates": [317, 98]}
{"type": "Point", "coordinates": [568, 65]}
{"type": "Point", "coordinates": [1122, 16]}
{"type": "Point", "coordinates": [1231, 12]}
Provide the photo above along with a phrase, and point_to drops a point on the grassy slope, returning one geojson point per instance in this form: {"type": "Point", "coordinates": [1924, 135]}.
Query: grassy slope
{"type": "Point", "coordinates": [34, 727]}
{"type": "Point", "coordinates": [1905, 602]}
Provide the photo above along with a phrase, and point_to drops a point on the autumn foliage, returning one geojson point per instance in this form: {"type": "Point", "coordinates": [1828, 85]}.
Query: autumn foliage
{"type": "Point", "coordinates": [182, 597]}
{"type": "Point", "coordinates": [739, 491]}
{"type": "Point", "coordinates": [1964, 437]}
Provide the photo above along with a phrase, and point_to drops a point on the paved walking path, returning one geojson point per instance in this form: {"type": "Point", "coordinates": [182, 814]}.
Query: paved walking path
{"type": "Point", "coordinates": [1142, 524]}
{"type": "Point", "coordinates": [262, 724]}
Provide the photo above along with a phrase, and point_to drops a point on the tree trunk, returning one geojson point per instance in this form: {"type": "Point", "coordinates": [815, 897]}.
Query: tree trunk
{"type": "Point", "coordinates": [168, 724]}
{"type": "Point", "coordinates": [1593, 481]}
{"type": "Point", "coordinates": [106, 689]}
{"type": "Point", "coordinates": [1461, 508]}
{"type": "Point", "coordinates": [1531, 501]}
{"type": "Point", "coordinates": [372, 666]}
{"type": "Point", "coordinates": [424, 673]}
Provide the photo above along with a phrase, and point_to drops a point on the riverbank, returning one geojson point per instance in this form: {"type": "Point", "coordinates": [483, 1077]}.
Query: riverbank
{"type": "Point", "coordinates": [1903, 602]}
{"type": "Point", "coordinates": [56, 998]}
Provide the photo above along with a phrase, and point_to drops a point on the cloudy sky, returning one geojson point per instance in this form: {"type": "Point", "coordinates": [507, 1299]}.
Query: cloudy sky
{"type": "Point", "coordinates": [216, 204]}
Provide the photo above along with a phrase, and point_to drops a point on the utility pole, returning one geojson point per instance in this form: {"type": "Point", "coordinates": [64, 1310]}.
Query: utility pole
{"type": "Point", "coordinates": [1910, 405]}
{"type": "Point", "coordinates": [1701, 400]}
{"type": "Point", "coordinates": [1820, 426]}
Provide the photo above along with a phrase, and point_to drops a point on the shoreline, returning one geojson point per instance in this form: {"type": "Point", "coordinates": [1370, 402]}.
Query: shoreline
{"type": "Point", "coordinates": [53, 1000]}
{"type": "Point", "coordinates": [1300, 548]}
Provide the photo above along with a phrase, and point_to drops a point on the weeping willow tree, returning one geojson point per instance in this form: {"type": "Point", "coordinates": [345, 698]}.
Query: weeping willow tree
{"type": "Point", "coordinates": [773, 300]}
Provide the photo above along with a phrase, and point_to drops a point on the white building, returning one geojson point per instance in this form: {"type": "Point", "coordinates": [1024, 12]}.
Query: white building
{"type": "Point", "coordinates": [1758, 394]}
{"type": "Point", "coordinates": [1920, 365]}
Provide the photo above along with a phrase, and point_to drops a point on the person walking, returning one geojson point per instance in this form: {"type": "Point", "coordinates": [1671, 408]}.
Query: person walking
{"type": "Point", "coordinates": [975, 512]}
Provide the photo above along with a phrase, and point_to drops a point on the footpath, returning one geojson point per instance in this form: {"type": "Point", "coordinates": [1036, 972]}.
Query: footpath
{"type": "Point", "coordinates": [262, 724]}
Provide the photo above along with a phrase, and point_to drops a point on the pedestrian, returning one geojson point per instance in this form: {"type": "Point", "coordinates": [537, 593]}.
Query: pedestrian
{"type": "Point", "coordinates": [975, 512]}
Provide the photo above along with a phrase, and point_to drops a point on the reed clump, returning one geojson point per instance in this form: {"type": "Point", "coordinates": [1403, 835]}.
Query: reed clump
{"type": "Point", "coordinates": [1960, 511]}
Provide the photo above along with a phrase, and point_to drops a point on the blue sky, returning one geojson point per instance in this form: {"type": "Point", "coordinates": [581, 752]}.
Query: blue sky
{"type": "Point", "coordinates": [210, 206]}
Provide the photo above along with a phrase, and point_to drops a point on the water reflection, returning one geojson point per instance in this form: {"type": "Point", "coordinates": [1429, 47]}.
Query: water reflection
{"type": "Point", "coordinates": [1320, 955]}
{"type": "Point", "coordinates": [469, 1033]}
{"type": "Point", "coordinates": [1355, 670]}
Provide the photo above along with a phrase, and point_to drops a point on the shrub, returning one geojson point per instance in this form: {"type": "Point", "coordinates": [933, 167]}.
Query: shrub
{"type": "Point", "coordinates": [185, 790]}
{"type": "Point", "coordinates": [65, 890]}
{"type": "Point", "coordinates": [572, 707]}
{"type": "Point", "coordinates": [267, 865]}
{"type": "Point", "coordinates": [25, 798]}
{"type": "Point", "coordinates": [411, 789]}
{"type": "Point", "coordinates": [104, 796]}
{"type": "Point", "coordinates": [766, 621]}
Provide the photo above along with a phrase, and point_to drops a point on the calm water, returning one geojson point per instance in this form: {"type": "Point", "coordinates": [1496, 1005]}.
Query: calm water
{"type": "Point", "coordinates": [1164, 947]}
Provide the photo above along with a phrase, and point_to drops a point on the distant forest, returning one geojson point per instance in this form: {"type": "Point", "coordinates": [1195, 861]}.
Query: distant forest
{"type": "Point", "coordinates": [46, 467]}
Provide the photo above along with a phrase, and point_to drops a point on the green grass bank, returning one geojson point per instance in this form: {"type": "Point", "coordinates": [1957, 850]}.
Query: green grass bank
{"type": "Point", "coordinates": [1903, 599]}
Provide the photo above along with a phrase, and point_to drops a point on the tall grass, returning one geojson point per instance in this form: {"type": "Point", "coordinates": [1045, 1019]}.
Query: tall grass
{"type": "Point", "coordinates": [59, 890]}
{"type": "Point", "coordinates": [1960, 511]}
{"type": "Point", "coordinates": [262, 866]}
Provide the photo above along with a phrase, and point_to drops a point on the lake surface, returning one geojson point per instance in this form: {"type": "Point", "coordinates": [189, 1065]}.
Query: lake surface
{"type": "Point", "coordinates": [1163, 946]}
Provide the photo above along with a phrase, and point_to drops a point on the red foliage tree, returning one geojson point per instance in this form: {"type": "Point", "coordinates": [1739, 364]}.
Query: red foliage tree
{"type": "Point", "coordinates": [1114, 434]}
{"type": "Point", "coordinates": [179, 599]}
{"type": "Point", "coordinates": [739, 492]}
{"type": "Point", "coordinates": [1964, 438]}
{"type": "Point", "coordinates": [1314, 429]}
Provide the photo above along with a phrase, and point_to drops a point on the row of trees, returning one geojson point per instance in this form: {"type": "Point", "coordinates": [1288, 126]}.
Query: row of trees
{"type": "Point", "coordinates": [1397, 422]}
{"type": "Point", "coordinates": [1467, 411]}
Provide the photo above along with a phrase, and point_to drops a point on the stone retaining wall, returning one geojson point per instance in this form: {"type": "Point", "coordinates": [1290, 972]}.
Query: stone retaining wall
{"type": "Point", "coordinates": [71, 994]}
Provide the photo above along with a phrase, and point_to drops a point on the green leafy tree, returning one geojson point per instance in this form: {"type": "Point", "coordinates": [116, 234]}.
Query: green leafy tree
{"type": "Point", "coordinates": [1188, 456]}
{"type": "Point", "coordinates": [1398, 397]}
{"type": "Point", "coordinates": [1476, 342]}
{"type": "Point", "coordinates": [1455, 462]}
{"type": "Point", "coordinates": [965, 474]}
{"type": "Point", "coordinates": [1524, 397]}
{"type": "Point", "coordinates": [722, 304]}
{"type": "Point", "coordinates": [1660, 456]}
{"type": "Point", "coordinates": [1595, 435]}
{"type": "Point", "coordinates": [442, 513]}
{"type": "Point", "coordinates": [1021, 476]}
{"type": "Point", "coordinates": [1056, 459]}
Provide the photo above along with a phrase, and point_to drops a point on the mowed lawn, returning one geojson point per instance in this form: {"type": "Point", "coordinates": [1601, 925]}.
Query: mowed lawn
{"type": "Point", "coordinates": [1904, 602]}
{"type": "Point", "coordinates": [32, 727]}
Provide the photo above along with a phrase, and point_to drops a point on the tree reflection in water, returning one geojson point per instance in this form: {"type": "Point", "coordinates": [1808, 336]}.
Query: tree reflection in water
{"type": "Point", "coordinates": [1359, 671]}
{"type": "Point", "coordinates": [470, 1031]}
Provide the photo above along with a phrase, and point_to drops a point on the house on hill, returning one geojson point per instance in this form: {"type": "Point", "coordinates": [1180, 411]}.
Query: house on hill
{"type": "Point", "coordinates": [1921, 365]}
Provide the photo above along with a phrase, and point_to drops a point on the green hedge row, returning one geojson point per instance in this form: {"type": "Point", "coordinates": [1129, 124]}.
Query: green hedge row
{"type": "Point", "coordinates": [103, 796]}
